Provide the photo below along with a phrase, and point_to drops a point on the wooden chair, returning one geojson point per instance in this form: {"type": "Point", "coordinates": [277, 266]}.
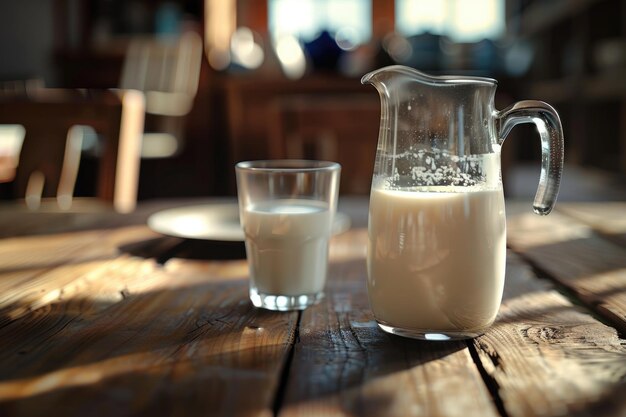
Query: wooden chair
{"type": "Point", "coordinates": [167, 71]}
{"type": "Point", "coordinates": [50, 153]}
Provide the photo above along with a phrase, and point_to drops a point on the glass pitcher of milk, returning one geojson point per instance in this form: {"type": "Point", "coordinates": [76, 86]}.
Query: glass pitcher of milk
{"type": "Point", "coordinates": [437, 232]}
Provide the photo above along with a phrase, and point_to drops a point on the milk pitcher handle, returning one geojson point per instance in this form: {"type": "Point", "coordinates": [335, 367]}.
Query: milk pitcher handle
{"type": "Point", "coordinates": [551, 133]}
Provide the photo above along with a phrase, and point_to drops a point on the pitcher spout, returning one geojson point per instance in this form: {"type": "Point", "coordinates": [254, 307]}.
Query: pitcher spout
{"type": "Point", "coordinates": [396, 72]}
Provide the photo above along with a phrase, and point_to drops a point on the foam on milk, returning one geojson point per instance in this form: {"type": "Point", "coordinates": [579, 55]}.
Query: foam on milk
{"type": "Point", "coordinates": [436, 257]}
{"type": "Point", "coordinates": [287, 246]}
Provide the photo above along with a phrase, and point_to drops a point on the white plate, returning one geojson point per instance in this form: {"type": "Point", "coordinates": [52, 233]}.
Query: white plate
{"type": "Point", "coordinates": [213, 222]}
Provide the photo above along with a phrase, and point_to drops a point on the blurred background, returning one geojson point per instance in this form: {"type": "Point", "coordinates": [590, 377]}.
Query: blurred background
{"type": "Point", "coordinates": [230, 80]}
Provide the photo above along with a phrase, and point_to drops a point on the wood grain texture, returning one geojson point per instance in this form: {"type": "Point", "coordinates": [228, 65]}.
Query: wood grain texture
{"type": "Point", "coordinates": [608, 218]}
{"type": "Point", "coordinates": [38, 270]}
{"type": "Point", "coordinates": [116, 320]}
{"type": "Point", "coordinates": [547, 357]}
{"type": "Point", "coordinates": [576, 257]}
{"type": "Point", "coordinates": [343, 365]}
{"type": "Point", "coordinates": [186, 341]}
{"type": "Point", "coordinates": [93, 324]}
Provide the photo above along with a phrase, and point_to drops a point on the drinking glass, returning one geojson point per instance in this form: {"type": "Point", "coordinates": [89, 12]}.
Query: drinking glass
{"type": "Point", "coordinates": [286, 209]}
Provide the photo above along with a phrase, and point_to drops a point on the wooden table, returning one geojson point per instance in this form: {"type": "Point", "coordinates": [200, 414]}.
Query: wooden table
{"type": "Point", "coordinates": [101, 316]}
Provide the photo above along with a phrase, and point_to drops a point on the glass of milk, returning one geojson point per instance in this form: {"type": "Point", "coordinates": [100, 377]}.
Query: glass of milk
{"type": "Point", "coordinates": [286, 209]}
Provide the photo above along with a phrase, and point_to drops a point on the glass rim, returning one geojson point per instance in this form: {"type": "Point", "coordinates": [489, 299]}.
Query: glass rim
{"type": "Point", "coordinates": [287, 165]}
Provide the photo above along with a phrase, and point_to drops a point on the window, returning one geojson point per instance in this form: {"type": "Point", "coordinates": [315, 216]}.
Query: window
{"type": "Point", "coordinates": [461, 20]}
{"type": "Point", "coordinates": [348, 20]}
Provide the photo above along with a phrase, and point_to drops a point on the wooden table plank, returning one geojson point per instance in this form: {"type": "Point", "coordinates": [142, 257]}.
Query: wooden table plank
{"type": "Point", "coordinates": [344, 365]}
{"type": "Point", "coordinates": [607, 218]}
{"type": "Point", "coordinates": [88, 272]}
{"type": "Point", "coordinates": [15, 220]}
{"type": "Point", "coordinates": [572, 254]}
{"type": "Point", "coordinates": [546, 357]}
{"type": "Point", "coordinates": [187, 340]}
{"type": "Point", "coordinates": [35, 271]}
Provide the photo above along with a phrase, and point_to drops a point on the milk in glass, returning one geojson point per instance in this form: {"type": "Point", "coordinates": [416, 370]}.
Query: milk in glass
{"type": "Point", "coordinates": [287, 246]}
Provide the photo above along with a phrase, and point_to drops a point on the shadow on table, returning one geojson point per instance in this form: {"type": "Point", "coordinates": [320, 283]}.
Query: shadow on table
{"type": "Point", "coordinates": [164, 248]}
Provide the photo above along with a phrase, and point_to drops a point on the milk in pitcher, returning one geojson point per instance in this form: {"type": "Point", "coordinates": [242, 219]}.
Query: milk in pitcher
{"type": "Point", "coordinates": [436, 258]}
